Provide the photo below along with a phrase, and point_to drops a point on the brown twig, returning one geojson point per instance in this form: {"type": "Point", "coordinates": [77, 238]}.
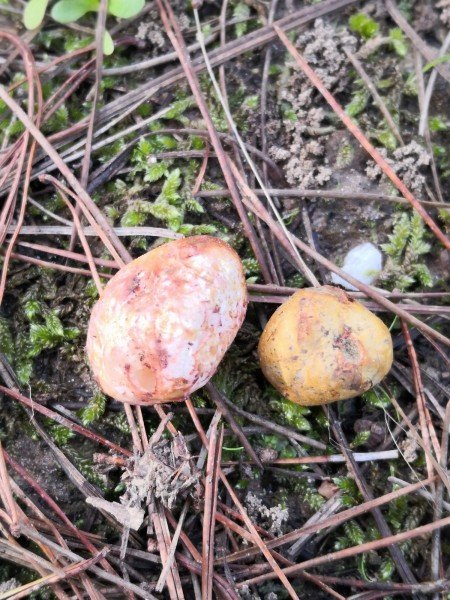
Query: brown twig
{"type": "Point", "coordinates": [426, 426]}
{"type": "Point", "coordinates": [7, 496]}
{"type": "Point", "coordinates": [159, 521]}
{"type": "Point", "coordinates": [53, 154]}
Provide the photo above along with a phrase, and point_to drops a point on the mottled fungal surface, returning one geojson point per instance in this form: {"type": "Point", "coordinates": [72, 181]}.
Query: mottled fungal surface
{"type": "Point", "coordinates": [164, 321]}
{"type": "Point", "coordinates": [320, 346]}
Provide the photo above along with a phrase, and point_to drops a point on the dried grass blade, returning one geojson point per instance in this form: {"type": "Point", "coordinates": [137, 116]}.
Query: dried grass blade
{"type": "Point", "coordinates": [86, 162]}
{"type": "Point", "coordinates": [211, 486]}
{"type": "Point", "coordinates": [70, 571]}
{"type": "Point", "coordinates": [443, 474]}
{"type": "Point", "coordinates": [173, 546]}
{"type": "Point", "coordinates": [163, 536]}
{"type": "Point", "coordinates": [7, 496]}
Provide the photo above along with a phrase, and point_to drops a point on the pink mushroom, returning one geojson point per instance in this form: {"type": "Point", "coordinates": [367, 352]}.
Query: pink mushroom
{"type": "Point", "coordinates": [164, 321]}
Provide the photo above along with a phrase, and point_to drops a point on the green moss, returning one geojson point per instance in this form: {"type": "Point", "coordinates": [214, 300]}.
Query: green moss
{"type": "Point", "coordinates": [40, 329]}
{"type": "Point", "coordinates": [6, 340]}
{"type": "Point", "coordinates": [94, 410]}
{"type": "Point", "coordinates": [358, 102]}
{"type": "Point", "coordinates": [292, 414]}
{"type": "Point", "coordinates": [405, 250]}
{"type": "Point", "coordinates": [345, 155]}
{"type": "Point", "coordinates": [364, 25]}
{"type": "Point", "coordinates": [360, 439]}
{"type": "Point", "coordinates": [350, 496]}
{"type": "Point", "coordinates": [398, 41]}
{"type": "Point", "coordinates": [308, 494]}
{"type": "Point", "coordinates": [59, 433]}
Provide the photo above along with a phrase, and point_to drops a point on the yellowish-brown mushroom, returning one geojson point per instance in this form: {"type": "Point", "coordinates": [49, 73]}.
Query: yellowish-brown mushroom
{"type": "Point", "coordinates": [321, 346]}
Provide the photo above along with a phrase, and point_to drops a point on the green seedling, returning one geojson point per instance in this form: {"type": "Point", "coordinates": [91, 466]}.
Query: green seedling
{"type": "Point", "coordinates": [69, 11]}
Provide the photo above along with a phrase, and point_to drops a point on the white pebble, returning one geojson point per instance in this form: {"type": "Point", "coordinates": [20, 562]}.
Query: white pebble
{"type": "Point", "coordinates": [363, 262]}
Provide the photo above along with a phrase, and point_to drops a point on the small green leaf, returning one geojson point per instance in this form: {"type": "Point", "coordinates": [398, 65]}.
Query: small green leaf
{"type": "Point", "coordinates": [197, 143]}
{"type": "Point", "coordinates": [71, 333]}
{"type": "Point", "coordinates": [112, 212]}
{"type": "Point", "coordinates": [166, 142]}
{"type": "Point", "coordinates": [193, 205]}
{"type": "Point", "coordinates": [241, 11]}
{"type": "Point", "coordinates": [251, 266]}
{"type": "Point", "coordinates": [24, 368]}
{"type": "Point", "coordinates": [39, 339]}
{"type": "Point", "coordinates": [377, 397]}
{"type": "Point", "coordinates": [387, 139]}
{"type": "Point", "coordinates": [354, 533]}
{"type": "Point", "coordinates": [384, 84]}
{"type": "Point", "coordinates": [67, 11]}
{"type": "Point", "coordinates": [364, 25]}
{"type": "Point", "coordinates": [94, 410]}
{"type": "Point", "coordinates": [32, 309]}
{"type": "Point", "coordinates": [178, 108]}
{"type": "Point", "coordinates": [161, 209]}
{"type": "Point", "coordinates": [360, 439]}
{"type": "Point", "coordinates": [170, 188]}
{"type": "Point", "coordinates": [437, 61]}
{"type": "Point", "coordinates": [252, 101]}
{"type": "Point", "coordinates": [423, 275]}
{"type": "Point", "coordinates": [293, 414]}
{"type": "Point", "coordinates": [125, 9]}
{"type": "Point", "coordinates": [288, 112]}
{"type": "Point", "coordinates": [187, 229]}
{"type": "Point", "coordinates": [357, 104]}
{"type": "Point", "coordinates": [387, 569]}
{"type": "Point", "coordinates": [398, 41]}
{"type": "Point", "coordinates": [34, 13]}
{"type": "Point", "coordinates": [145, 146]}
{"type": "Point", "coordinates": [108, 44]}
{"type": "Point", "coordinates": [437, 124]}
{"type": "Point", "coordinates": [155, 171]}
{"type": "Point", "coordinates": [132, 218]}
{"type": "Point", "coordinates": [74, 42]}
{"type": "Point", "coordinates": [54, 326]}
{"type": "Point", "coordinates": [60, 434]}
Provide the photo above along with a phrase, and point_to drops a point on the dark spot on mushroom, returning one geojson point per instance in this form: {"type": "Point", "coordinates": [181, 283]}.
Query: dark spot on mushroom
{"type": "Point", "coordinates": [135, 284]}
{"type": "Point", "coordinates": [347, 344]}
